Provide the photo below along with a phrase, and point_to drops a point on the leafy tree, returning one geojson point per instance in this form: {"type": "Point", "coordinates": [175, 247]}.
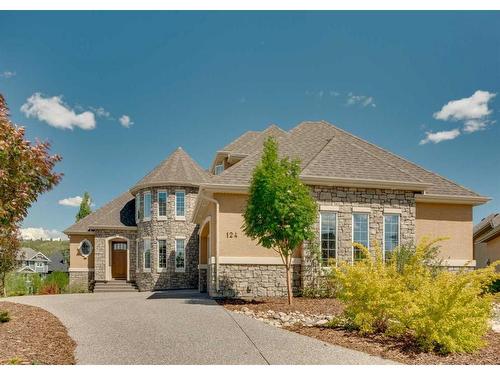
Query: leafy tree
{"type": "Point", "coordinates": [84, 207]}
{"type": "Point", "coordinates": [280, 212]}
{"type": "Point", "coordinates": [26, 171]}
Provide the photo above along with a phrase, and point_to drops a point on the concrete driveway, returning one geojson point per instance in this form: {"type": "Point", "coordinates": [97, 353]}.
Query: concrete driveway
{"type": "Point", "coordinates": [180, 327]}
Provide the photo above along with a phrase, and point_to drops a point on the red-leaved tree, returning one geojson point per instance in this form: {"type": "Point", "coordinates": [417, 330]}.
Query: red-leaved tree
{"type": "Point", "coordinates": [26, 171]}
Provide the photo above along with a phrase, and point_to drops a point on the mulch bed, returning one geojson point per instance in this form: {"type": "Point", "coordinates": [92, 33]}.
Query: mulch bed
{"type": "Point", "coordinates": [403, 351]}
{"type": "Point", "coordinates": [34, 336]}
{"type": "Point", "coordinates": [329, 306]}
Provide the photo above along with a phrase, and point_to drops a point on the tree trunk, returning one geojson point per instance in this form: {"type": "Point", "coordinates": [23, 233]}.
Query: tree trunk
{"type": "Point", "coordinates": [289, 283]}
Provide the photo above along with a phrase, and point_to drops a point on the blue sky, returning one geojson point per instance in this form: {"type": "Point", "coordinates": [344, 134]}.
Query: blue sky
{"type": "Point", "coordinates": [200, 79]}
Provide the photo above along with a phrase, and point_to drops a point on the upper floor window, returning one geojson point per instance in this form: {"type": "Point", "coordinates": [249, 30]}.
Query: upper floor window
{"type": "Point", "coordinates": [137, 206]}
{"type": "Point", "coordinates": [180, 254]}
{"type": "Point", "coordinates": [147, 254]}
{"type": "Point", "coordinates": [162, 204]}
{"type": "Point", "coordinates": [391, 234]}
{"type": "Point", "coordinates": [180, 202]}
{"type": "Point", "coordinates": [147, 206]}
{"type": "Point", "coordinates": [360, 233]}
{"type": "Point", "coordinates": [85, 248]}
{"type": "Point", "coordinates": [328, 236]}
{"type": "Point", "coordinates": [219, 168]}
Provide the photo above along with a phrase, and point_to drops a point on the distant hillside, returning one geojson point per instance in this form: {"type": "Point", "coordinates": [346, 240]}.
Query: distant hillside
{"type": "Point", "coordinates": [46, 247]}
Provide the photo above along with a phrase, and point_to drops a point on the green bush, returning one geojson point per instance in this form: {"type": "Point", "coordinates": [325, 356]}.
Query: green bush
{"type": "Point", "coordinates": [409, 296]}
{"type": "Point", "coordinates": [4, 316]}
{"type": "Point", "coordinates": [18, 284]}
{"type": "Point", "coordinates": [61, 279]}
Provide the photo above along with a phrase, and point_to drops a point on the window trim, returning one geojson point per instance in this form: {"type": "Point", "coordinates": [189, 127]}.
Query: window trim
{"type": "Point", "coordinates": [175, 257]}
{"type": "Point", "coordinates": [383, 231]}
{"type": "Point", "coordinates": [158, 216]}
{"type": "Point", "coordinates": [336, 234]}
{"type": "Point", "coordinates": [144, 217]}
{"type": "Point", "coordinates": [158, 239]}
{"type": "Point", "coordinates": [180, 218]}
{"type": "Point", "coordinates": [144, 268]}
{"type": "Point", "coordinates": [215, 168]}
{"type": "Point", "coordinates": [352, 231]}
{"type": "Point", "coordinates": [80, 248]}
{"type": "Point", "coordinates": [137, 206]}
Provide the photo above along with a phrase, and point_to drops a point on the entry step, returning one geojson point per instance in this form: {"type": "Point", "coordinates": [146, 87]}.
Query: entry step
{"type": "Point", "coordinates": [115, 286]}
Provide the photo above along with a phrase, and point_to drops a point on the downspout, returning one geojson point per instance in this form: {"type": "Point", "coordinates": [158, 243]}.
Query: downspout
{"type": "Point", "coordinates": [216, 239]}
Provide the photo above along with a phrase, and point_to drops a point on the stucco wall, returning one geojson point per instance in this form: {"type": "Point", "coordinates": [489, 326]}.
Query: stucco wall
{"type": "Point", "coordinates": [447, 220]}
{"type": "Point", "coordinates": [487, 251]}
{"type": "Point", "coordinates": [232, 241]}
{"type": "Point", "coordinates": [77, 260]}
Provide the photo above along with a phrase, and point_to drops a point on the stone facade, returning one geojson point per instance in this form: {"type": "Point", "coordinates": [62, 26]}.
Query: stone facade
{"type": "Point", "coordinates": [344, 200]}
{"type": "Point", "coordinates": [250, 280]}
{"type": "Point", "coordinates": [168, 229]}
{"type": "Point", "coordinates": [83, 278]}
{"type": "Point", "coordinates": [102, 241]}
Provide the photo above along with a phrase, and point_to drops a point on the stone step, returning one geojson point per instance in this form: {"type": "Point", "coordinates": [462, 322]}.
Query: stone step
{"type": "Point", "coordinates": [115, 286]}
{"type": "Point", "coordinates": [108, 290]}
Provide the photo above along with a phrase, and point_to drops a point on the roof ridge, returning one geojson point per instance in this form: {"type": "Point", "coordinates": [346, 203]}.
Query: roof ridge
{"type": "Point", "coordinates": [399, 157]}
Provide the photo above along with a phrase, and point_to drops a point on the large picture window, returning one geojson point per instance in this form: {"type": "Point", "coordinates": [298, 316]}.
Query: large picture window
{"type": "Point", "coordinates": [162, 254]}
{"type": "Point", "coordinates": [360, 233]}
{"type": "Point", "coordinates": [162, 204]}
{"type": "Point", "coordinates": [328, 237]}
{"type": "Point", "coordinates": [391, 234]}
{"type": "Point", "coordinates": [180, 255]}
{"type": "Point", "coordinates": [147, 206]}
{"type": "Point", "coordinates": [147, 254]}
{"type": "Point", "coordinates": [180, 210]}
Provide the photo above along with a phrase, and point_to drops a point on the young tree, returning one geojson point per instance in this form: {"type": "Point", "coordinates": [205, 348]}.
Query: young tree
{"type": "Point", "coordinates": [26, 171]}
{"type": "Point", "coordinates": [84, 207]}
{"type": "Point", "coordinates": [280, 211]}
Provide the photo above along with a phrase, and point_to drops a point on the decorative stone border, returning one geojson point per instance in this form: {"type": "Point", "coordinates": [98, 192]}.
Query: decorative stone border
{"type": "Point", "coordinates": [282, 319]}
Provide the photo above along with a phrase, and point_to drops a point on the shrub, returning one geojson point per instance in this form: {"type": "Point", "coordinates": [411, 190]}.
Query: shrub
{"type": "Point", "coordinates": [409, 296]}
{"type": "Point", "coordinates": [49, 288]}
{"type": "Point", "coordinates": [77, 288]}
{"type": "Point", "coordinates": [61, 279]}
{"type": "Point", "coordinates": [18, 284]}
{"type": "Point", "coordinates": [4, 316]}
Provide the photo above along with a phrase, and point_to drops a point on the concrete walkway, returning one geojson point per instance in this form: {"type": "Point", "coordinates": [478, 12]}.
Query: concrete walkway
{"type": "Point", "coordinates": [180, 327]}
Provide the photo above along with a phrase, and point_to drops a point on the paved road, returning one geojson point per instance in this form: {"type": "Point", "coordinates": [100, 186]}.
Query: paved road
{"type": "Point", "coordinates": [181, 327]}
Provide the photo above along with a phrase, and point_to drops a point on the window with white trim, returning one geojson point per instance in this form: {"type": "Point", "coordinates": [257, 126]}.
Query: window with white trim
{"type": "Point", "coordinates": [137, 206]}
{"type": "Point", "coordinates": [360, 233]}
{"type": "Point", "coordinates": [147, 206]}
{"type": "Point", "coordinates": [162, 254]}
{"type": "Point", "coordinates": [219, 168]}
{"type": "Point", "coordinates": [391, 234]}
{"type": "Point", "coordinates": [180, 202]}
{"type": "Point", "coordinates": [328, 235]}
{"type": "Point", "coordinates": [180, 255]}
{"type": "Point", "coordinates": [162, 204]}
{"type": "Point", "coordinates": [85, 248]}
{"type": "Point", "coordinates": [147, 254]}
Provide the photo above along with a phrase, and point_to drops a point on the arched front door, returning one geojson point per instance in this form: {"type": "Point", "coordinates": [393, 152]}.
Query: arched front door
{"type": "Point", "coordinates": [119, 260]}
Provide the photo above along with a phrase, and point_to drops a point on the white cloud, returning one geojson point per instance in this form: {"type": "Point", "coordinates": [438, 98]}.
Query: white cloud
{"type": "Point", "coordinates": [56, 113]}
{"type": "Point", "coordinates": [473, 111]}
{"type": "Point", "coordinates": [7, 74]}
{"type": "Point", "coordinates": [126, 121]}
{"type": "Point", "coordinates": [440, 136]}
{"type": "Point", "coordinates": [41, 233]}
{"type": "Point", "coordinates": [100, 112]}
{"type": "Point", "coordinates": [71, 201]}
{"type": "Point", "coordinates": [361, 100]}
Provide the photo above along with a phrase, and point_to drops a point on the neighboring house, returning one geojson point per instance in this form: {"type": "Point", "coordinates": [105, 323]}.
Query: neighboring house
{"type": "Point", "coordinates": [31, 261]}
{"type": "Point", "coordinates": [487, 241]}
{"type": "Point", "coordinates": [181, 226]}
{"type": "Point", "coordinates": [57, 262]}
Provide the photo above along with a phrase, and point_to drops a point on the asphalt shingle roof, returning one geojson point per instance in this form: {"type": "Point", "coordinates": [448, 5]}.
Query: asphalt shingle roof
{"type": "Point", "coordinates": [119, 213]}
{"type": "Point", "coordinates": [177, 169]}
{"type": "Point", "coordinates": [328, 151]}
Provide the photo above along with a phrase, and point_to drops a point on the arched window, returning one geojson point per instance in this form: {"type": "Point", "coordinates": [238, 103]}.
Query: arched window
{"type": "Point", "coordinates": [85, 248]}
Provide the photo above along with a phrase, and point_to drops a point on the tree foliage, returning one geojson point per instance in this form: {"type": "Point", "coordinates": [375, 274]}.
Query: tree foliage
{"type": "Point", "coordinates": [26, 171]}
{"type": "Point", "coordinates": [280, 211]}
{"type": "Point", "coordinates": [84, 207]}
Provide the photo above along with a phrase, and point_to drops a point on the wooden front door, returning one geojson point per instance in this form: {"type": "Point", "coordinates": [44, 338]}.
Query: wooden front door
{"type": "Point", "coordinates": [119, 260]}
